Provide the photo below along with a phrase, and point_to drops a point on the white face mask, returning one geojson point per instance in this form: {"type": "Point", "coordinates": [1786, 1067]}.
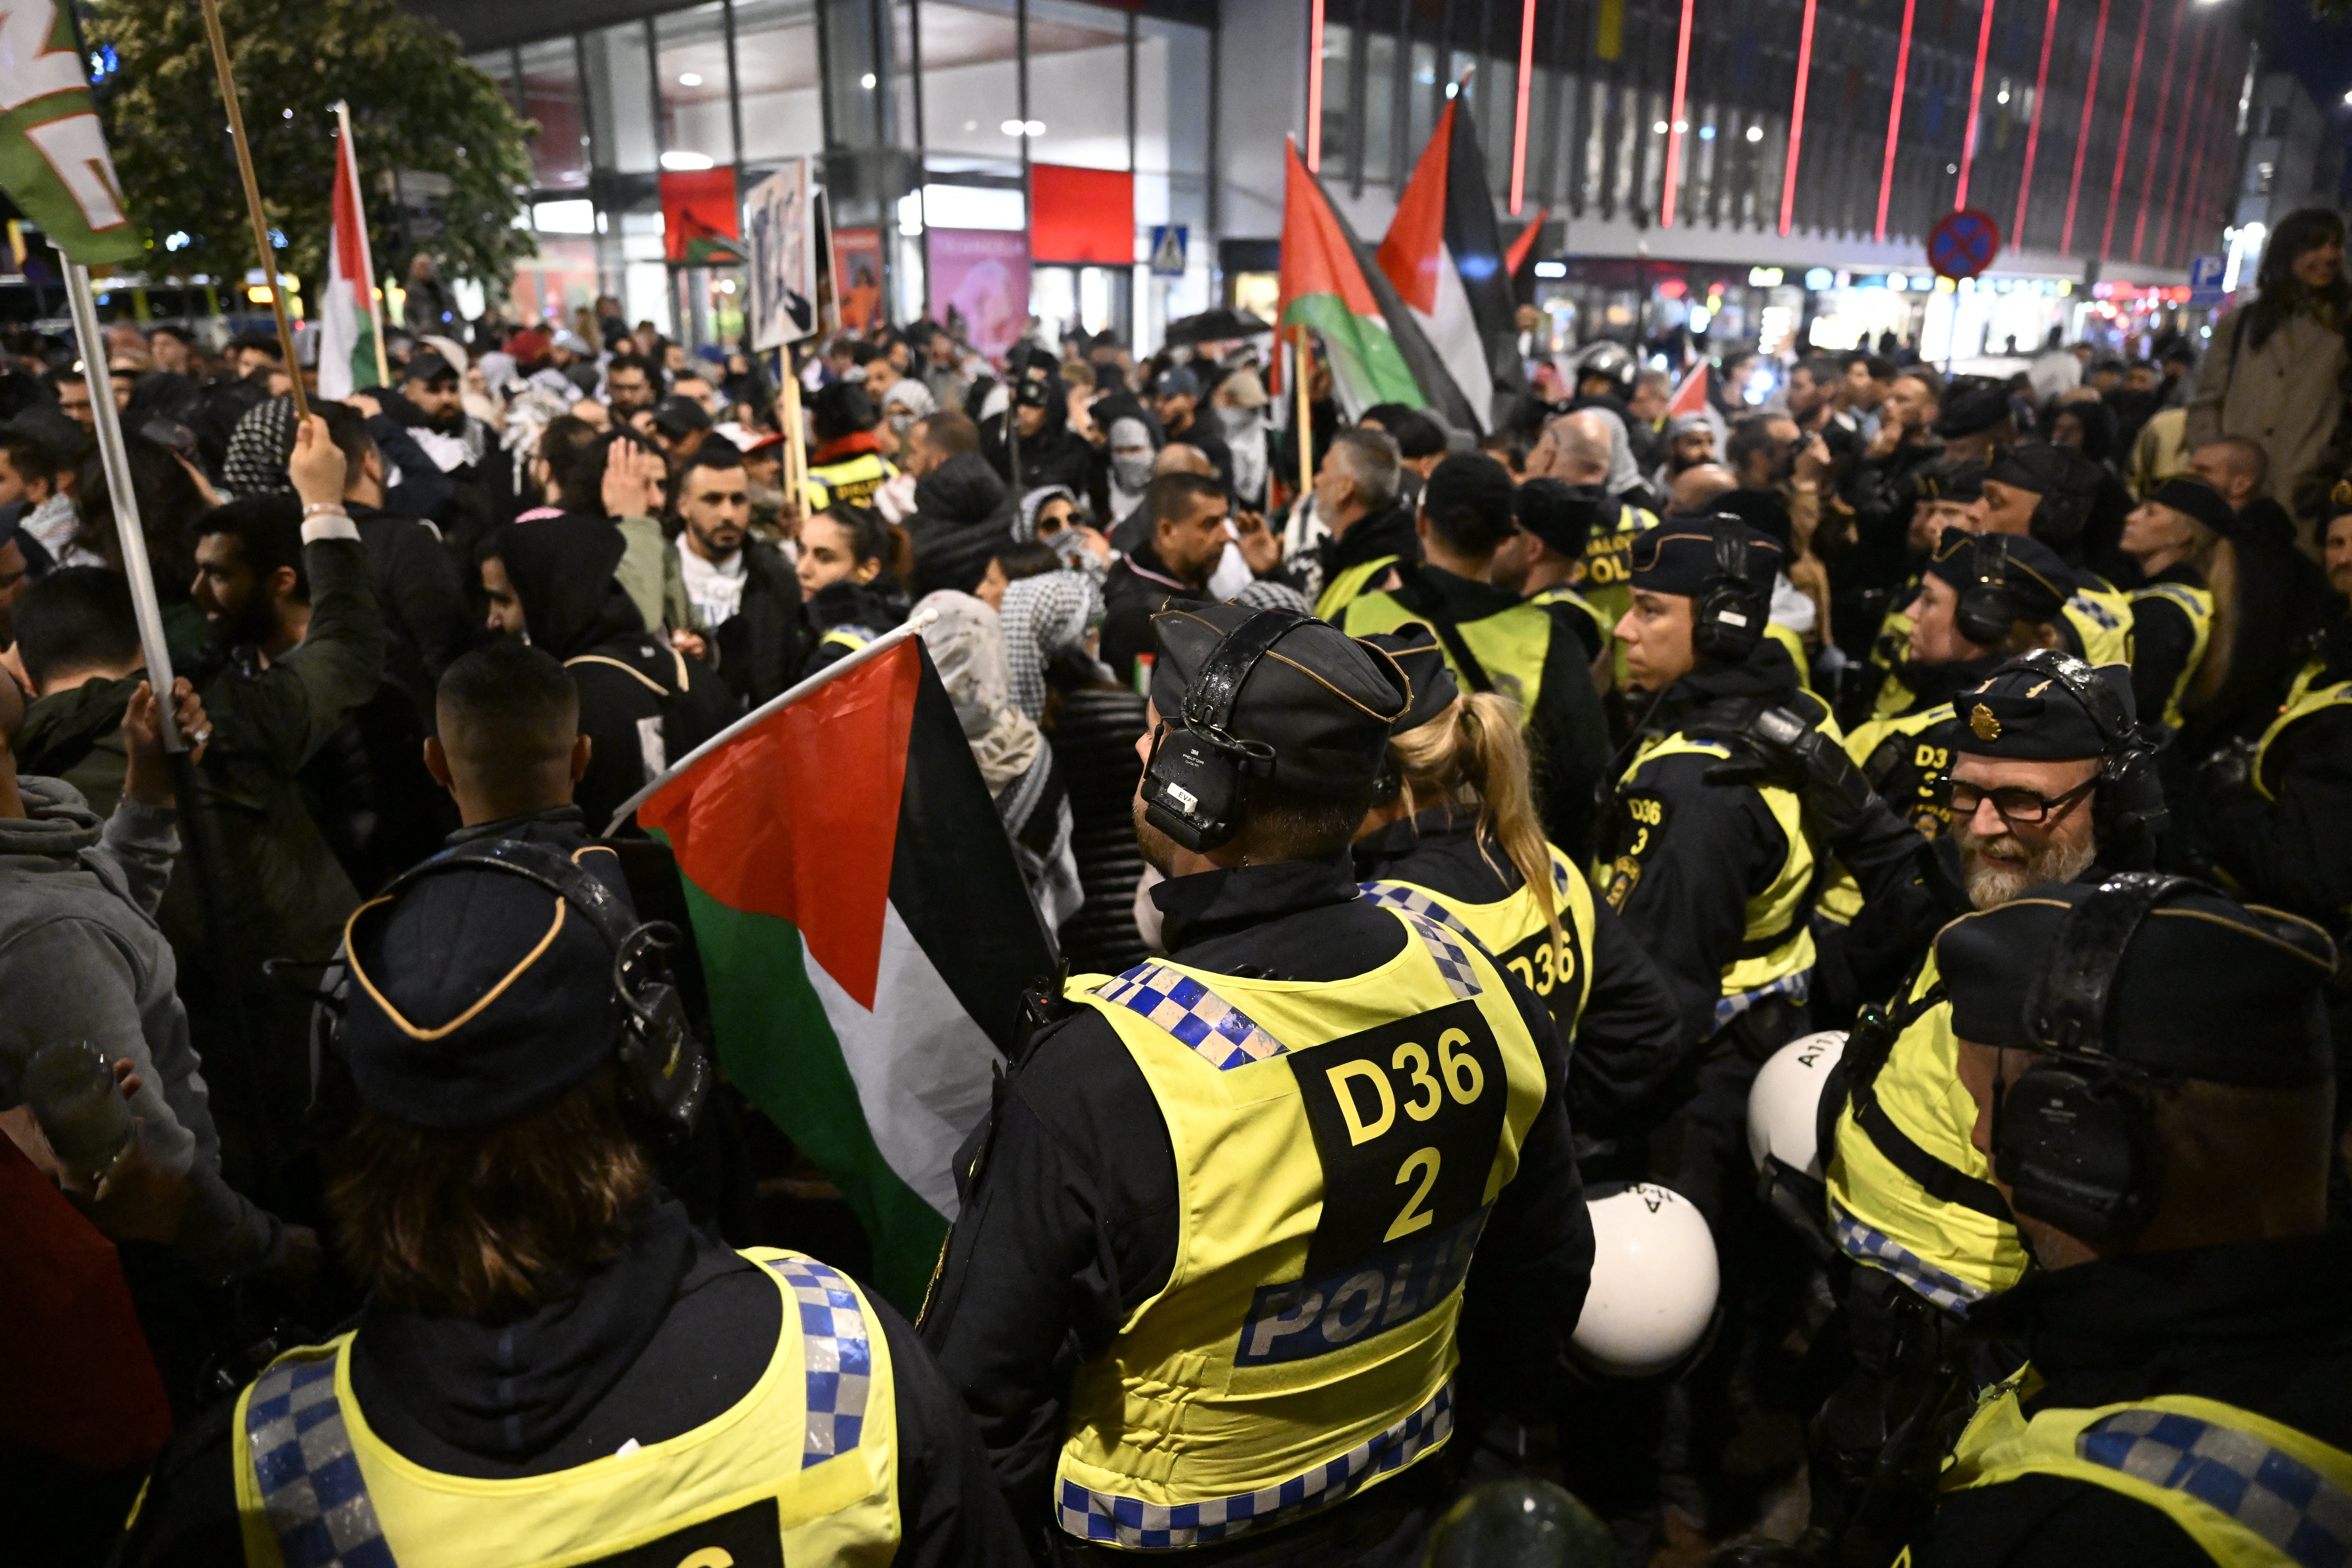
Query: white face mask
{"type": "Point", "coordinates": [1130, 455]}
{"type": "Point", "coordinates": [1241, 421]}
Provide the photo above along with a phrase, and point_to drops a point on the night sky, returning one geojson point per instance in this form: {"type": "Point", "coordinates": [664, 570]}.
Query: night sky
{"type": "Point", "coordinates": [2318, 52]}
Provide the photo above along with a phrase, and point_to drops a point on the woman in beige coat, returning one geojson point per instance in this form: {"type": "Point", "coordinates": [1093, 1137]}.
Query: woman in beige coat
{"type": "Point", "coordinates": [2275, 368]}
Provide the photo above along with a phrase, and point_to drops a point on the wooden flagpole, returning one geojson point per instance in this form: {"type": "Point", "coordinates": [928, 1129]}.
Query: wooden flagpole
{"type": "Point", "coordinates": [1301, 361]}
{"type": "Point", "coordinates": [253, 209]}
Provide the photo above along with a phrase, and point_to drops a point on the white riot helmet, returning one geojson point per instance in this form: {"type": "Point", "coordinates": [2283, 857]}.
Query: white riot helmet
{"type": "Point", "coordinates": [1784, 1104]}
{"type": "Point", "coordinates": [1654, 1281]}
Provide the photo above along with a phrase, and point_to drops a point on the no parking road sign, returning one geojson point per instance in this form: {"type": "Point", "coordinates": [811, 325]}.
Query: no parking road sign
{"type": "Point", "coordinates": [1963, 244]}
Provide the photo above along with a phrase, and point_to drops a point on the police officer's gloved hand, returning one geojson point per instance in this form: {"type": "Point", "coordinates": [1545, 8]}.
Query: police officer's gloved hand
{"type": "Point", "coordinates": [2227, 770]}
{"type": "Point", "coordinates": [1779, 748]}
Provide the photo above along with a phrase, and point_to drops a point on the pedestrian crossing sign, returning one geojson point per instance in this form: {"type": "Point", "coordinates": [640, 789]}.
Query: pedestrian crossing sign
{"type": "Point", "coordinates": [1168, 249]}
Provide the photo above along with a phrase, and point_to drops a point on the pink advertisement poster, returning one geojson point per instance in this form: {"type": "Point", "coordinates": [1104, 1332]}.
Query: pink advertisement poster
{"type": "Point", "coordinates": [980, 277]}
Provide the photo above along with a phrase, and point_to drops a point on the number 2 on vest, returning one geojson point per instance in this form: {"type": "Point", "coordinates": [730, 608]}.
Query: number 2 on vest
{"type": "Point", "coordinates": [1414, 1216]}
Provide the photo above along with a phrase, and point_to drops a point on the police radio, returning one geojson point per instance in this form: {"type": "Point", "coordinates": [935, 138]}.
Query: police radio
{"type": "Point", "coordinates": [1193, 785]}
{"type": "Point", "coordinates": [664, 1066]}
{"type": "Point", "coordinates": [1727, 618]}
{"type": "Point", "coordinates": [2071, 1138]}
{"type": "Point", "coordinates": [2129, 801]}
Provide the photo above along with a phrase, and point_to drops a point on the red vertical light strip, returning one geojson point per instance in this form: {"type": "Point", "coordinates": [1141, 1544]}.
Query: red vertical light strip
{"type": "Point", "coordinates": [1895, 114]}
{"type": "Point", "coordinates": [1797, 119]}
{"type": "Point", "coordinates": [2082, 131]}
{"type": "Point", "coordinates": [2189, 105]}
{"type": "Point", "coordinates": [1315, 89]}
{"type": "Point", "coordinates": [1674, 124]}
{"type": "Point", "coordinates": [2155, 131]}
{"type": "Point", "coordinates": [2122, 148]}
{"type": "Point", "coordinates": [2033, 125]}
{"type": "Point", "coordinates": [1976, 101]}
{"type": "Point", "coordinates": [1519, 127]}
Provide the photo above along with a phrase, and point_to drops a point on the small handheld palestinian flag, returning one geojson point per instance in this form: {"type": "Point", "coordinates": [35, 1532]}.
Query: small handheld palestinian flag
{"type": "Point", "coordinates": [865, 933]}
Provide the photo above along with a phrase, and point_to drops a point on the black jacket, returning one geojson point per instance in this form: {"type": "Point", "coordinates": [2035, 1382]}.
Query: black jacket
{"type": "Point", "coordinates": [1138, 587]}
{"type": "Point", "coordinates": [1627, 1042]}
{"type": "Point", "coordinates": [1867, 575]}
{"type": "Point", "coordinates": [2265, 1326]}
{"type": "Point", "coordinates": [763, 645]}
{"type": "Point", "coordinates": [426, 623]}
{"type": "Point", "coordinates": [2294, 850]}
{"type": "Point", "coordinates": [1388, 531]}
{"type": "Point", "coordinates": [870, 608]}
{"type": "Point", "coordinates": [1567, 735]}
{"type": "Point", "coordinates": [1072, 1221]}
{"type": "Point", "coordinates": [2163, 642]}
{"type": "Point", "coordinates": [669, 1336]}
{"type": "Point", "coordinates": [2282, 599]}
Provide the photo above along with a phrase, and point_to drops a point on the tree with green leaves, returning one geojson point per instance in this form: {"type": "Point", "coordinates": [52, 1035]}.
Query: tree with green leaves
{"type": "Point", "coordinates": [416, 105]}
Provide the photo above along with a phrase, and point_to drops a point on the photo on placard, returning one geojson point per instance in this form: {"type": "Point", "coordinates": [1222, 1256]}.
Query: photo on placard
{"type": "Point", "coordinates": [783, 253]}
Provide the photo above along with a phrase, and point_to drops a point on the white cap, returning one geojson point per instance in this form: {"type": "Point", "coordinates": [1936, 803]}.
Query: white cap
{"type": "Point", "coordinates": [1784, 1103]}
{"type": "Point", "coordinates": [1654, 1281]}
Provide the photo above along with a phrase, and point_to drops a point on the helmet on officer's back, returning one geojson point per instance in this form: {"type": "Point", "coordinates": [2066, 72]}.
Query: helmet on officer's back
{"type": "Point", "coordinates": [1655, 1280]}
{"type": "Point", "coordinates": [1784, 1103]}
{"type": "Point", "coordinates": [1519, 1522]}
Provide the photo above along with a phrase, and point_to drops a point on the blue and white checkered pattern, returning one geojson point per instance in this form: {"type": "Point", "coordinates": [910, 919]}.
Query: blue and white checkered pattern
{"type": "Point", "coordinates": [311, 1489]}
{"type": "Point", "coordinates": [1451, 961]}
{"type": "Point", "coordinates": [839, 1353]}
{"type": "Point", "coordinates": [2273, 1494]}
{"type": "Point", "coordinates": [1795, 987]}
{"type": "Point", "coordinates": [1157, 1527]}
{"type": "Point", "coordinates": [1866, 1244]}
{"type": "Point", "coordinates": [1225, 1036]}
{"type": "Point", "coordinates": [1413, 900]}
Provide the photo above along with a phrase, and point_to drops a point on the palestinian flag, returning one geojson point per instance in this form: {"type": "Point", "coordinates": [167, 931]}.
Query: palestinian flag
{"type": "Point", "coordinates": [347, 337]}
{"type": "Point", "coordinates": [1445, 256]}
{"type": "Point", "coordinates": [865, 933]}
{"type": "Point", "coordinates": [1324, 290]}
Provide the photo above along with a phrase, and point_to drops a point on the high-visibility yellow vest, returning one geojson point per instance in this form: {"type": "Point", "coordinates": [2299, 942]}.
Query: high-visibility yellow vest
{"type": "Point", "coordinates": [1510, 645]}
{"type": "Point", "coordinates": [1776, 952]}
{"type": "Point", "coordinates": [2197, 604]}
{"type": "Point", "coordinates": [2102, 619]}
{"type": "Point", "coordinates": [1345, 589]}
{"type": "Point", "coordinates": [1512, 929]}
{"type": "Point", "coordinates": [806, 1463]}
{"type": "Point", "coordinates": [1908, 773]}
{"type": "Point", "coordinates": [1609, 570]}
{"type": "Point", "coordinates": [2307, 696]}
{"type": "Point", "coordinates": [1338, 1146]}
{"type": "Point", "coordinates": [1561, 594]}
{"type": "Point", "coordinates": [851, 481]}
{"type": "Point", "coordinates": [2249, 1491]}
{"type": "Point", "coordinates": [1908, 1192]}
{"type": "Point", "coordinates": [1794, 647]}
{"type": "Point", "coordinates": [847, 638]}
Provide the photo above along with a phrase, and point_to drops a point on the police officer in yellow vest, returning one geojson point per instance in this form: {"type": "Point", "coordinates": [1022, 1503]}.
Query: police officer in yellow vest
{"type": "Point", "coordinates": [1557, 522]}
{"type": "Point", "coordinates": [1495, 642]}
{"type": "Point", "coordinates": [553, 1364]}
{"type": "Point", "coordinates": [2049, 492]}
{"type": "Point", "coordinates": [1357, 498]}
{"type": "Point", "coordinates": [847, 466]}
{"type": "Point", "coordinates": [1454, 835]}
{"type": "Point", "coordinates": [2174, 535]}
{"type": "Point", "coordinates": [2047, 782]}
{"type": "Point", "coordinates": [1206, 1289]}
{"type": "Point", "coordinates": [2152, 1082]}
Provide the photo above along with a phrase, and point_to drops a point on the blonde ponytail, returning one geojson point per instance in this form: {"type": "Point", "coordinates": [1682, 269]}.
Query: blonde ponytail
{"type": "Point", "coordinates": [1473, 754]}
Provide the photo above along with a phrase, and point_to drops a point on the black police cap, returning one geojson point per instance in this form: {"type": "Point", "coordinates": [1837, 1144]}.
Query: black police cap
{"type": "Point", "coordinates": [1948, 480]}
{"type": "Point", "coordinates": [1418, 654]}
{"type": "Point", "coordinates": [1564, 516]}
{"type": "Point", "coordinates": [1678, 557]}
{"type": "Point", "coordinates": [1972, 405]}
{"type": "Point", "coordinates": [2025, 713]}
{"type": "Point", "coordinates": [2037, 581]}
{"type": "Point", "coordinates": [2206, 988]}
{"type": "Point", "coordinates": [2198, 502]}
{"type": "Point", "coordinates": [478, 995]}
{"type": "Point", "coordinates": [2046, 470]}
{"type": "Point", "coordinates": [1321, 699]}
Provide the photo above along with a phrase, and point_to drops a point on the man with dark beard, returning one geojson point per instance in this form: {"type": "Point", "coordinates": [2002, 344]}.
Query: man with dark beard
{"type": "Point", "coordinates": [2049, 782]}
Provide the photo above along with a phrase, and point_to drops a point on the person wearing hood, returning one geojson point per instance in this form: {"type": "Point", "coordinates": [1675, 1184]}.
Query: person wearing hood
{"type": "Point", "coordinates": [955, 502]}
{"type": "Point", "coordinates": [1131, 440]}
{"type": "Point", "coordinates": [968, 645]}
{"type": "Point", "coordinates": [642, 704]}
{"type": "Point", "coordinates": [1050, 515]}
{"type": "Point", "coordinates": [850, 594]}
{"type": "Point", "coordinates": [1051, 453]}
{"type": "Point", "coordinates": [1054, 618]}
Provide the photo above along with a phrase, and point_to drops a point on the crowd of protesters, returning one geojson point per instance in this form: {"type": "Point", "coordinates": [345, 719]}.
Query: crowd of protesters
{"type": "Point", "coordinates": [348, 601]}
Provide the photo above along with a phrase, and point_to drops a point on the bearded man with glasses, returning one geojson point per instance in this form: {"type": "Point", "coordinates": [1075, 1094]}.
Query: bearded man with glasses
{"type": "Point", "coordinates": [2048, 780]}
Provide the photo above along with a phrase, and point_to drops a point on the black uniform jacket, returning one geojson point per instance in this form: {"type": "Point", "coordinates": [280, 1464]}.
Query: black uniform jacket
{"type": "Point", "coordinates": [2263, 1325]}
{"type": "Point", "coordinates": [1072, 1221]}
{"type": "Point", "coordinates": [1625, 1045]}
{"type": "Point", "coordinates": [2294, 850]}
{"type": "Point", "coordinates": [669, 1336]}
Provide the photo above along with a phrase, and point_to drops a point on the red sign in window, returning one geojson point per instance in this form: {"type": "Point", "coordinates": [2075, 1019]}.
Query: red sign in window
{"type": "Point", "coordinates": [1081, 214]}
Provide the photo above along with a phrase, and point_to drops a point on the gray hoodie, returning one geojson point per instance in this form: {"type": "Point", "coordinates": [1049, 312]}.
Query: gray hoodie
{"type": "Point", "coordinates": [82, 959]}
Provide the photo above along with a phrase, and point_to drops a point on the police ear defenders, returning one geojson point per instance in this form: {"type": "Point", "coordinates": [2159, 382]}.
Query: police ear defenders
{"type": "Point", "coordinates": [2071, 1137]}
{"type": "Point", "coordinates": [1192, 784]}
{"type": "Point", "coordinates": [1987, 608]}
{"type": "Point", "coordinates": [2129, 802]}
{"type": "Point", "coordinates": [1727, 618]}
{"type": "Point", "coordinates": [664, 1066]}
